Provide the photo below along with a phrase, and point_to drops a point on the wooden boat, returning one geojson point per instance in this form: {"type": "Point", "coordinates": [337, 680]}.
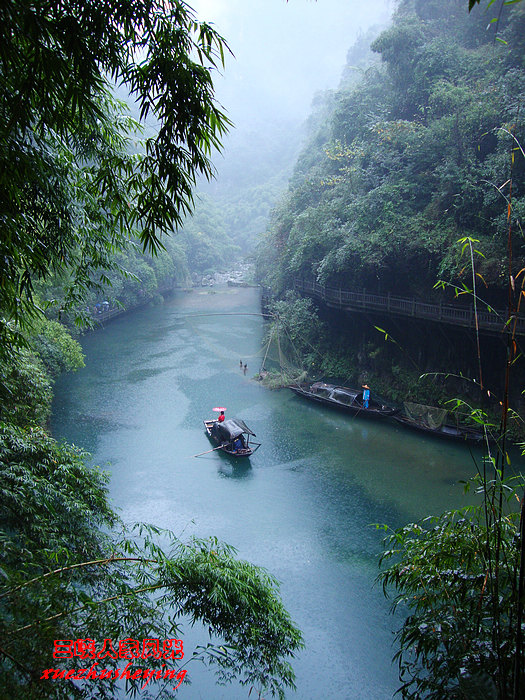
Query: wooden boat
{"type": "Point", "coordinates": [433, 421]}
{"type": "Point", "coordinates": [343, 398]}
{"type": "Point", "coordinates": [232, 436]}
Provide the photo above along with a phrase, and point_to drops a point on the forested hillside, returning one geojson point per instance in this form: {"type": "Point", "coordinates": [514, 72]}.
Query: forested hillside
{"type": "Point", "coordinates": [412, 158]}
{"type": "Point", "coordinates": [252, 173]}
{"type": "Point", "coordinates": [419, 150]}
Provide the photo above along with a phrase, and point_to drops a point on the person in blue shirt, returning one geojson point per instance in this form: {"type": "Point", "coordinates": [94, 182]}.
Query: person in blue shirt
{"type": "Point", "coordinates": [366, 395]}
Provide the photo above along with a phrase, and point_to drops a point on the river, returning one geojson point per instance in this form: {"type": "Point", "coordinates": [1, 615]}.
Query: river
{"type": "Point", "coordinates": [305, 505]}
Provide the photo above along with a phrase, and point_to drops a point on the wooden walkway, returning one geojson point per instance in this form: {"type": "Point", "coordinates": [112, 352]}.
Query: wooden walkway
{"type": "Point", "coordinates": [353, 300]}
{"type": "Point", "coordinates": [103, 316]}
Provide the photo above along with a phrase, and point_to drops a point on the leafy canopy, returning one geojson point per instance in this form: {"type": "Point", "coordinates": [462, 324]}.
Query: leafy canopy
{"type": "Point", "coordinates": [457, 575]}
{"type": "Point", "coordinates": [73, 182]}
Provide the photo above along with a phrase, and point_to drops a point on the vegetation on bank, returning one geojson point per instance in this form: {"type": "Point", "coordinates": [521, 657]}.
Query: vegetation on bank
{"type": "Point", "coordinates": [459, 576]}
{"type": "Point", "coordinates": [410, 159]}
{"type": "Point", "coordinates": [82, 202]}
{"type": "Point", "coordinates": [402, 163]}
{"type": "Point", "coordinates": [424, 152]}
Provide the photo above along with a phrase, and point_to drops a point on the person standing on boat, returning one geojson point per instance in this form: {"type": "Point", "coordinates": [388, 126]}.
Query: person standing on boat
{"type": "Point", "coordinates": [221, 417]}
{"type": "Point", "coordinates": [366, 395]}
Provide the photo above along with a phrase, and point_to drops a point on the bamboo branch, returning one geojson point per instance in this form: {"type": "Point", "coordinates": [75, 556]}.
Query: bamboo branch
{"type": "Point", "coordinates": [87, 605]}
{"type": "Point", "coordinates": [76, 566]}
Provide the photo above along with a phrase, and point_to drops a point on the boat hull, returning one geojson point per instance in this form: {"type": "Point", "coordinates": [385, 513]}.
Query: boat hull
{"type": "Point", "coordinates": [450, 432]}
{"type": "Point", "coordinates": [373, 411]}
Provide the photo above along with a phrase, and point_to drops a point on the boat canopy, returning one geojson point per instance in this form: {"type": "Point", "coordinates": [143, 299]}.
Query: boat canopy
{"type": "Point", "coordinates": [346, 396]}
{"type": "Point", "coordinates": [233, 428]}
{"type": "Point", "coordinates": [244, 427]}
{"type": "Point", "coordinates": [322, 389]}
{"type": "Point", "coordinates": [338, 393]}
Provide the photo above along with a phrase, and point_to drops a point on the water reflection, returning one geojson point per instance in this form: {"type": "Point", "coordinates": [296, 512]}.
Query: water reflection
{"type": "Point", "coordinates": [236, 471]}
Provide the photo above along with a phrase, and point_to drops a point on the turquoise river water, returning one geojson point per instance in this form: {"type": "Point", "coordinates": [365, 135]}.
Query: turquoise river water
{"type": "Point", "coordinates": [304, 506]}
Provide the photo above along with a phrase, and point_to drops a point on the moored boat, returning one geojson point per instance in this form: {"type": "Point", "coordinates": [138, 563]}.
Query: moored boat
{"type": "Point", "coordinates": [231, 436]}
{"type": "Point", "coordinates": [343, 398]}
{"type": "Point", "coordinates": [434, 421]}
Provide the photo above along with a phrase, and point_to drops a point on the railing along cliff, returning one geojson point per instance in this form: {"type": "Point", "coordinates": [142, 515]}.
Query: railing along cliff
{"type": "Point", "coordinates": [340, 298]}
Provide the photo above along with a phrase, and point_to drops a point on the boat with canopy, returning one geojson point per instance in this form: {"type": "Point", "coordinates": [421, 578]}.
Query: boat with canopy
{"type": "Point", "coordinates": [231, 436]}
{"type": "Point", "coordinates": [343, 398]}
{"type": "Point", "coordinates": [434, 421]}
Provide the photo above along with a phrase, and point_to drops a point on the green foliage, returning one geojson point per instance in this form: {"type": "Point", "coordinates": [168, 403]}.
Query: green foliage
{"type": "Point", "coordinates": [410, 159]}
{"type": "Point", "coordinates": [457, 575]}
{"type": "Point", "coordinates": [295, 329]}
{"type": "Point", "coordinates": [66, 573]}
{"type": "Point", "coordinates": [283, 378]}
{"type": "Point", "coordinates": [239, 602]}
{"type": "Point", "coordinates": [74, 185]}
{"type": "Point", "coordinates": [56, 348]}
{"type": "Point", "coordinates": [340, 365]}
{"type": "Point", "coordinates": [50, 500]}
{"type": "Point", "coordinates": [25, 389]}
{"type": "Point", "coordinates": [206, 241]}
{"type": "Point", "coordinates": [138, 278]}
{"type": "Point", "coordinates": [26, 375]}
{"type": "Point", "coordinates": [252, 175]}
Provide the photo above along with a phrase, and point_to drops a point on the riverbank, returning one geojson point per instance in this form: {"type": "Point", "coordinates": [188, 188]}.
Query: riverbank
{"type": "Point", "coordinates": [401, 359]}
{"type": "Point", "coordinates": [302, 506]}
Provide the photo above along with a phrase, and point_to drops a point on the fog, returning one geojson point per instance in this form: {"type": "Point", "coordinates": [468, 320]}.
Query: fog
{"type": "Point", "coordinates": [284, 51]}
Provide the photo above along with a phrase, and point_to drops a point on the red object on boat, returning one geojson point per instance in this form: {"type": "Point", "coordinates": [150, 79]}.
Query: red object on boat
{"type": "Point", "coordinates": [219, 408]}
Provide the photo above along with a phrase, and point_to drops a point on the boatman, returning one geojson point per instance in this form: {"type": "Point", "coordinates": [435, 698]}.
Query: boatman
{"type": "Point", "coordinates": [366, 395]}
{"type": "Point", "coordinates": [221, 417]}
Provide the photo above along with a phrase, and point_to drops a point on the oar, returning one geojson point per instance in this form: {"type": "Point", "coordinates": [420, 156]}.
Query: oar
{"type": "Point", "coordinates": [221, 447]}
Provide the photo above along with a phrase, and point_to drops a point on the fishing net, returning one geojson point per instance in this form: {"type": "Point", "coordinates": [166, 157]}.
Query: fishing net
{"type": "Point", "coordinates": [427, 415]}
{"type": "Point", "coordinates": [278, 367]}
{"type": "Point", "coordinates": [277, 379]}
